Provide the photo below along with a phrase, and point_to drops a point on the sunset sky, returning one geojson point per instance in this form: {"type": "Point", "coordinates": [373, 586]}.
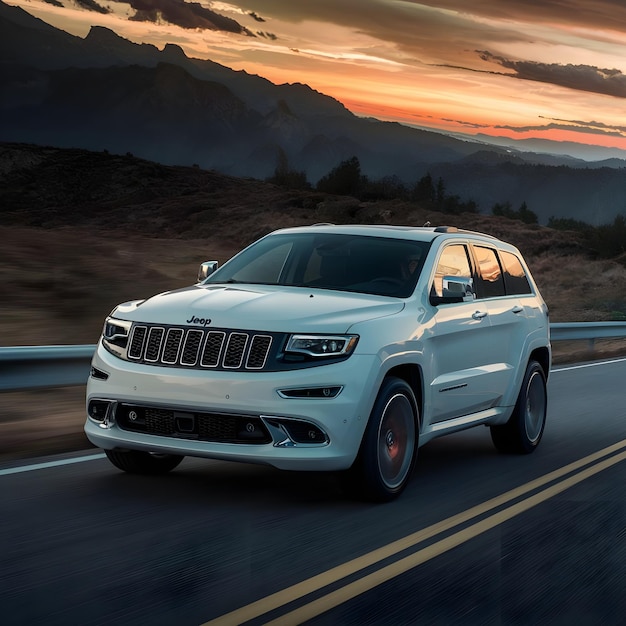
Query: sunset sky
{"type": "Point", "coordinates": [552, 69]}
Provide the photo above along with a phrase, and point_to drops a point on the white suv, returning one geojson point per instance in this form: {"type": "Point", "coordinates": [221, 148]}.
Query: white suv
{"type": "Point", "coordinates": [327, 348]}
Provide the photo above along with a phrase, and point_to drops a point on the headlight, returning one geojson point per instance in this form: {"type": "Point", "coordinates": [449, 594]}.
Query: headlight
{"type": "Point", "coordinates": [322, 345]}
{"type": "Point", "coordinates": [115, 336]}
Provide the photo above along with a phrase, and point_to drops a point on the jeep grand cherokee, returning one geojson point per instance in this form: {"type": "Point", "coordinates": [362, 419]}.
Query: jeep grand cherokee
{"type": "Point", "coordinates": [326, 347]}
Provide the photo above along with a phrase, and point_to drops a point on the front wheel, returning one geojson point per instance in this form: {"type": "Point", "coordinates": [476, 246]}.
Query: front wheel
{"type": "Point", "coordinates": [522, 433]}
{"type": "Point", "coordinates": [389, 446]}
{"type": "Point", "coordinates": [138, 462]}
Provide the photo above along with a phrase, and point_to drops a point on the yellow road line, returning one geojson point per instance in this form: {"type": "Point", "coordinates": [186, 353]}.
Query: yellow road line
{"type": "Point", "coordinates": [350, 591]}
{"type": "Point", "coordinates": [315, 583]}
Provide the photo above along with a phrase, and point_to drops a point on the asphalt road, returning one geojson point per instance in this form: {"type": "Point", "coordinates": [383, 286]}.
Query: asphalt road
{"type": "Point", "coordinates": [477, 537]}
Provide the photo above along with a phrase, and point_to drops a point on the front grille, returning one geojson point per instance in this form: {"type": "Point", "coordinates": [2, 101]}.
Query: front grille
{"type": "Point", "coordinates": [192, 347]}
{"type": "Point", "coordinates": [215, 427]}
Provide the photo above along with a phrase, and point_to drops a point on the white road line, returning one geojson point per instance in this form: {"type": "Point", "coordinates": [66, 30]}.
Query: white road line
{"type": "Point", "coordinates": [579, 367]}
{"type": "Point", "coordinates": [38, 466]}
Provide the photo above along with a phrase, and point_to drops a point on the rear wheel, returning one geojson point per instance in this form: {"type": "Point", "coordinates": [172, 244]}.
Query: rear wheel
{"type": "Point", "coordinates": [523, 432]}
{"type": "Point", "coordinates": [138, 462]}
{"type": "Point", "coordinates": [389, 446]}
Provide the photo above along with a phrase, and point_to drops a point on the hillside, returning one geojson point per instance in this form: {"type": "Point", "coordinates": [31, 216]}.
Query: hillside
{"type": "Point", "coordinates": [82, 231]}
{"type": "Point", "coordinates": [103, 92]}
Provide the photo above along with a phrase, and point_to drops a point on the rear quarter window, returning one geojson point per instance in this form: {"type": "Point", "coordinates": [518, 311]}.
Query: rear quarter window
{"type": "Point", "coordinates": [515, 279]}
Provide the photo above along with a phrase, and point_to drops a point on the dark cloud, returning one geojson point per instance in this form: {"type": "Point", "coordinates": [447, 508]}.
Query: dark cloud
{"type": "Point", "coordinates": [183, 14]}
{"type": "Point", "coordinates": [447, 31]}
{"type": "Point", "coordinates": [414, 29]}
{"type": "Point", "coordinates": [592, 124]}
{"type": "Point", "coordinates": [266, 35]}
{"type": "Point", "coordinates": [610, 82]}
{"type": "Point", "coordinates": [466, 123]}
{"type": "Point", "coordinates": [54, 3]}
{"type": "Point", "coordinates": [591, 128]}
{"type": "Point", "coordinates": [256, 17]}
{"type": "Point", "coordinates": [602, 14]}
{"type": "Point", "coordinates": [91, 5]}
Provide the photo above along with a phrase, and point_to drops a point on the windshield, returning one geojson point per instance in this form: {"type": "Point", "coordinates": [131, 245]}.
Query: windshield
{"type": "Point", "coordinates": [373, 265]}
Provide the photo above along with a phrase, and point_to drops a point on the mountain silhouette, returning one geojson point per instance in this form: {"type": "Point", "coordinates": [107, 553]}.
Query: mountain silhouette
{"type": "Point", "coordinates": [103, 92]}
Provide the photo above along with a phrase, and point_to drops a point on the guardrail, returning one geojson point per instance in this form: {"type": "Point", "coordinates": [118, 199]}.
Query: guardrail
{"type": "Point", "coordinates": [37, 367]}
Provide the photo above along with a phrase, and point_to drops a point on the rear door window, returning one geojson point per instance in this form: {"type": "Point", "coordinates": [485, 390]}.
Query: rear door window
{"type": "Point", "coordinates": [490, 278]}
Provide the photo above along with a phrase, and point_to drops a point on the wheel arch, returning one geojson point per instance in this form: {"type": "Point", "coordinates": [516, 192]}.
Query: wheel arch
{"type": "Point", "coordinates": [542, 356]}
{"type": "Point", "coordinates": [411, 374]}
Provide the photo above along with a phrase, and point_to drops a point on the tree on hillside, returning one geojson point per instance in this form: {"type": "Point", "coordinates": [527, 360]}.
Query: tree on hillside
{"type": "Point", "coordinates": [385, 188]}
{"type": "Point", "coordinates": [440, 194]}
{"type": "Point", "coordinates": [609, 240]}
{"type": "Point", "coordinates": [343, 180]}
{"type": "Point", "coordinates": [284, 176]}
{"type": "Point", "coordinates": [523, 213]}
{"type": "Point", "coordinates": [424, 191]}
{"type": "Point", "coordinates": [526, 215]}
{"type": "Point", "coordinates": [568, 223]}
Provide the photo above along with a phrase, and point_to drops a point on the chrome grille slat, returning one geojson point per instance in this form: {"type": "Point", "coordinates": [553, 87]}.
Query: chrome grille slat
{"type": "Point", "coordinates": [191, 348]}
{"type": "Point", "coordinates": [136, 342]}
{"type": "Point", "coordinates": [199, 348]}
{"type": "Point", "coordinates": [212, 348]}
{"type": "Point", "coordinates": [259, 349]}
{"type": "Point", "coordinates": [172, 345]}
{"type": "Point", "coordinates": [153, 346]}
{"type": "Point", "coordinates": [235, 350]}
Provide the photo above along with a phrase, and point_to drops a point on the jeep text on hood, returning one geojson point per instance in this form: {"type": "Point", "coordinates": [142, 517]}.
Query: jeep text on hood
{"type": "Point", "coordinates": [268, 307]}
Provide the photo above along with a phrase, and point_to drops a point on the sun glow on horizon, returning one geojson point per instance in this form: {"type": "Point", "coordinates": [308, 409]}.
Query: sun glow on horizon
{"type": "Point", "coordinates": [395, 65]}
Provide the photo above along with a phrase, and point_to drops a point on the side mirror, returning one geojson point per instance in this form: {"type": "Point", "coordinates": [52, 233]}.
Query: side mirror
{"type": "Point", "coordinates": [206, 269]}
{"type": "Point", "coordinates": [455, 289]}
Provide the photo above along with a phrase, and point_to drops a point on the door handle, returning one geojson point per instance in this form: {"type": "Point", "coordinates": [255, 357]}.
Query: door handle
{"type": "Point", "coordinates": [478, 315]}
{"type": "Point", "coordinates": [517, 309]}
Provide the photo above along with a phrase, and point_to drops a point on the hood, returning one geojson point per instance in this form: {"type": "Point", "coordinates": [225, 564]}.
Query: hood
{"type": "Point", "coordinates": [260, 307]}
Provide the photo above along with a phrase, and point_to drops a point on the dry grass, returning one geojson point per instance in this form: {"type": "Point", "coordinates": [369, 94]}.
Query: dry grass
{"type": "Point", "coordinates": [39, 423]}
{"type": "Point", "coordinates": [67, 257]}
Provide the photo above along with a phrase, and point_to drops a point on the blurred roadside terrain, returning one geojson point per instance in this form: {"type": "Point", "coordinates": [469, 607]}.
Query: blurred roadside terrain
{"type": "Point", "coordinates": [83, 231]}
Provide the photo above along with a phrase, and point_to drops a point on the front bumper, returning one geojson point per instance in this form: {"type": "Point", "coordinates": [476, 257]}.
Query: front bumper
{"type": "Point", "coordinates": [341, 419]}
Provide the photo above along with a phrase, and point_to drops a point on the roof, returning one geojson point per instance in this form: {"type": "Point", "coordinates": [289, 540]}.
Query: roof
{"type": "Point", "coordinates": [418, 233]}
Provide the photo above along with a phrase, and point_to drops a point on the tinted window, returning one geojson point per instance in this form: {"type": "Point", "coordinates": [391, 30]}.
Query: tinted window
{"type": "Point", "coordinates": [515, 277]}
{"type": "Point", "coordinates": [490, 282]}
{"type": "Point", "coordinates": [452, 262]}
{"type": "Point", "coordinates": [267, 267]}
{"type": "Point", "coordinates": [375, 265]}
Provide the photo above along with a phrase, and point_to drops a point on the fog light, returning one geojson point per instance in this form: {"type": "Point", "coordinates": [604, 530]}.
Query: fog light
{"type": "Point", "coordinates": [248, 430]}
{"type": "Point", "coordinates": [98, 409]}
{"type": "Point", "coordinates": [304, 432]}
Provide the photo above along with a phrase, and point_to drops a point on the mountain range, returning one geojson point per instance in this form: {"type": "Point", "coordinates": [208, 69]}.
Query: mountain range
{"type": "Point", "coordinates": [105, 93]}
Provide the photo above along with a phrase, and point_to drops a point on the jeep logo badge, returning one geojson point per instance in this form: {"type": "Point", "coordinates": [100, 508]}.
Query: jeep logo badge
{"type": "Point", "coordinates": [201, 321]}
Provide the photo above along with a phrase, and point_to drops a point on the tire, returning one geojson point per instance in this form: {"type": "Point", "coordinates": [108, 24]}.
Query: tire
{"type": "Point", "coordinates": [137, 462]}
{"type": "Point", "coordinates": [523, 432]}
{"type": "Point", "coordinates": [389, 447]}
